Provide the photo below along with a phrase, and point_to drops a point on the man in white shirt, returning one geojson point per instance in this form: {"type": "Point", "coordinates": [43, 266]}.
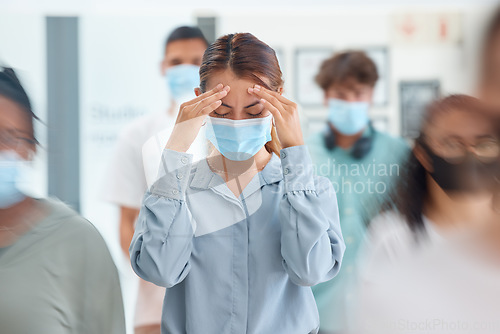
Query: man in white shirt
{"type": "Point", "coordinates": [126, 181]}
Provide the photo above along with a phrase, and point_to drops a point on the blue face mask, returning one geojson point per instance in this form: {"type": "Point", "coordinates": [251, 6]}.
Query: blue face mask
{"type": "Point", "coordinates": [239, 140]}
{"type": "Point", "coordinates": [11, 166]}
{"type": "Point", "coordinates": [348, 117]}
{"type": "Point", "coordinates": [182, 80]}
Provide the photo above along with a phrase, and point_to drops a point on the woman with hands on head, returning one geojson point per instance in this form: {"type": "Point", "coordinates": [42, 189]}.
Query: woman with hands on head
{"type": "Point", "coordinates": [238, 238]}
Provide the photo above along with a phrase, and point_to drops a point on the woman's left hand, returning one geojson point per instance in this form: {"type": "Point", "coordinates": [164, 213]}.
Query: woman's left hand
{"type": "Point", "coordinates": [286, 116]}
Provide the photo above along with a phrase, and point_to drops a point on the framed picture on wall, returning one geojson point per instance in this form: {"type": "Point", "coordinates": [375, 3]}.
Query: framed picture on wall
{"type": "Point", "coordinates": [307, 64]}
{"type": "Point", "coordinates": [380, 55]}
{"type": "Point", "coordinates": [414, 96]}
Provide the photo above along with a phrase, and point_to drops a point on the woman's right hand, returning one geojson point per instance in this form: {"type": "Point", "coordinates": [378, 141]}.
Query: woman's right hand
{"type": "Point", "coordinates": [191, 116]}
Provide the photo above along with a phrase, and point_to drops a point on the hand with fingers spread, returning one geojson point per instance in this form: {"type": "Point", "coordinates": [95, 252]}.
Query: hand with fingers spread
{"type": "Point", "coordinates": [285, 113]}
{"type": "Point", "coordinates": [191, 116]}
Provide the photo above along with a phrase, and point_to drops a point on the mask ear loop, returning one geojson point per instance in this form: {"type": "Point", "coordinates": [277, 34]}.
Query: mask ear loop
{"type": "Point", "coordinates": [204, 121]}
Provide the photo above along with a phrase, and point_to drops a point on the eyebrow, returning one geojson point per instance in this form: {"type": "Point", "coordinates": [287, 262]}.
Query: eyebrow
{"type": "Point", "coordinates": [453, 137]}
{"type": "Point", "coordinates": [16, 132]}
{"type": "Point", "coordinates": [490, 136]}
{"type": "Point", "coordinates": [174, 60]}
{"type": "Point", "coordinates": [248, 106]}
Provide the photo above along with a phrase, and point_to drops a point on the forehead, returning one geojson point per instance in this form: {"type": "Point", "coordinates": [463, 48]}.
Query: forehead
{"type": "Point", "coordinates": [239, 87]}
{"type": "Point", "coordinates": [490, 80]}
{"type": "Point", "coordinates": [348, 85]}
{"type": "Point", "coordinates": [461, 124]}
{"type": "Point", "coordinates": [227, 77]}
{"type": "Point", "coordinates": [13, 116]}
{"type": "Point", "coordinates": [192, 47]}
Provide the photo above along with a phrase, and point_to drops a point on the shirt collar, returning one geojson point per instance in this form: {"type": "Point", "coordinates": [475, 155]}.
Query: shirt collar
{"type": "Point", "coordinates": [272, 172]}
{"type": "Point", "coordinates": [205, 178]}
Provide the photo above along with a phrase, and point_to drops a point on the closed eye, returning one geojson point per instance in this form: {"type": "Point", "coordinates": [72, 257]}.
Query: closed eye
{"type": "Point", "coordinates": [220, 115]}
{"type": "Point", "coordinates": [255, 110]}
{"type": "Point", "coordinates": [256, 115]}
{"type": "Point", "coordinates": [222, 111]}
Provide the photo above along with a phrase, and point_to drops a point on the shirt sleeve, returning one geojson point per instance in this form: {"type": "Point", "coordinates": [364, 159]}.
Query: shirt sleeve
{"type": "Point", "coordinates": [312, 245]}
{"type": "Point", "coordinates": [162, 242]}
{"type": "Point", "coordinates": [125, 181]}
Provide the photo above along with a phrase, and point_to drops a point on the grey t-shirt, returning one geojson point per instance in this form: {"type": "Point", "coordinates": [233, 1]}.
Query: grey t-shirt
{"type": "Point", "coordinates": [59, 278]}
{"type": "Point", "coordinates": [2, 250]}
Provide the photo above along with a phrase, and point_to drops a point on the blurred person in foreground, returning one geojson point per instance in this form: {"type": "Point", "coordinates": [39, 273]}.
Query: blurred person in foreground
{"type": "Point", "coordinates": [362, 164]}
{"type": "Point", "coordinates": [422, 270]}
{"type": "Point", "coordinates": [489, 75]}
{"type": "Point", "coordinates": [56, 274]}
{"type": "Point", "coordinates": [489, 81]}
{"type": "Point", "coordinates": [126, 180]}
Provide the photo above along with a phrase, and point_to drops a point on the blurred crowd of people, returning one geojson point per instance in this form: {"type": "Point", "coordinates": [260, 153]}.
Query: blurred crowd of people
{"type": "Point", "coordinates": [229, 229]}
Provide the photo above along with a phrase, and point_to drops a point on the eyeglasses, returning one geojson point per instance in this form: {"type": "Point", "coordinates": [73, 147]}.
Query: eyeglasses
{"type": "Point", "coordinates": [13, 140]}
{"type": "Point", "coordinates": [455, 151]}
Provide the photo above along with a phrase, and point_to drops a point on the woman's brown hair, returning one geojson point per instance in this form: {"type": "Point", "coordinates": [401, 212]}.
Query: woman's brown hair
{"type": "Point", "coordinates": [248, 58]}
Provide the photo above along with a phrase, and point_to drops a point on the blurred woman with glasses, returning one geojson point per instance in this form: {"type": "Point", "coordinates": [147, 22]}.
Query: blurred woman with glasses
{"type": "Point", "coordinates": [56, 274]}
{"type": "Point", "coordinates": [419, 260]}
{"type": "Point", "coordinates": [446, 186]}
{"type": "Point", "coordinates": [421, 266]}
{"type": "Point", "coordinates": [448, 181]}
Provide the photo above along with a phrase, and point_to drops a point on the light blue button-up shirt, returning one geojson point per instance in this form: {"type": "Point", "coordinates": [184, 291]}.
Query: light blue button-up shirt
{"type": "Point", "coordinates": [238, 265]}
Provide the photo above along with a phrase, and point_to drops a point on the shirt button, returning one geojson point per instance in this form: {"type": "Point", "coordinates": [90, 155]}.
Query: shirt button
{"type": "Point", "coordinates": [349, 211]}
{"type": "Point", "coordinates": [184, 160]}
{"type": "Point", "coordinates": [180, 176]}
{"type": "Point", "coordinates": [283, 155]}
{"type": "Point", "coordinates": [349, 240]}
{"type": "Point", "coordinates": [175, 191]}
{"type": "Point", "coordinates": [286, 171]}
